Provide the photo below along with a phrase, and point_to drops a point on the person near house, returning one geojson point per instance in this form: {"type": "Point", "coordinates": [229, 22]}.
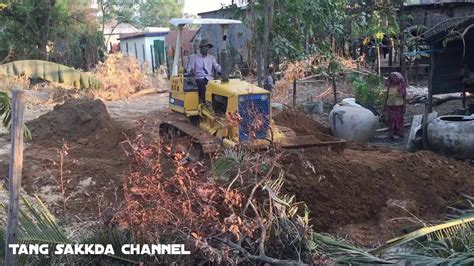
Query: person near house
{"type": "Point", "coordinates": [269, 80]}
{"type": "Point", "coordinates": [395, 104]}
{"type": "Point", "coordinates": [203, 67]}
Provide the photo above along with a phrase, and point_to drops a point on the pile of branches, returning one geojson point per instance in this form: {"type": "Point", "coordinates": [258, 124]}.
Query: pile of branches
{"type": "Point", "coordinates": [318, 66]}
{"type": "Point", "coordinates": [123, 76]}
{"type": "Point", "coordinates": [236, 215]}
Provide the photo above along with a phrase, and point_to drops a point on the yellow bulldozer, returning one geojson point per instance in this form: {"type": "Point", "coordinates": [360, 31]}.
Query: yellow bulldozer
{"type": "Point", "coordinates": [235, 112]}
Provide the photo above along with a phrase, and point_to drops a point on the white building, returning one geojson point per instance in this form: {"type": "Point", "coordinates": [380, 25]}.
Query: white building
{"type": "Point", "coordinates": [147, 47]}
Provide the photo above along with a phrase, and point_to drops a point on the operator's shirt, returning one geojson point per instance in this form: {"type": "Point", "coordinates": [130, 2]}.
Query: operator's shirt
{"type": "Point", "coordinates": [204, 66]}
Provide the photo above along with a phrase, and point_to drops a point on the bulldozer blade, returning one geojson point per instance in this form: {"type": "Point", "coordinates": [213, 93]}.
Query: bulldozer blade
{"type": "Point", "coordinates": [310, 141]}
{"type": "Point", "coordinates": [286, 138]}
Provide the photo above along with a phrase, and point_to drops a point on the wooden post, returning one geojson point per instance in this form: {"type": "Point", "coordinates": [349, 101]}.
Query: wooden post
{"type": "Point", "coordinates": [182, 57]}
{"type": "Point", "coordinates": [429, 104]}
{"type": "Point", "coordinates": [168, 66]}
{"type": "Point", "coordinates": [402, 42]}
{"type": "Point", "coordinates": [464, 106]}
{"type": "Point", "coordinates": [430, 81]}
{"type": "Point", "coordinates": [294, 92]}
{"type": "Point", "coordinates": [416, 65]}
{"type": "Point", "coordinates": [390, 53]}
{"type": "Point", "coordinates": [16, 165]}
{"type": "Point", "coordinates": [152, 59]}
{"type": "Point", "coordinates": [334, 88]}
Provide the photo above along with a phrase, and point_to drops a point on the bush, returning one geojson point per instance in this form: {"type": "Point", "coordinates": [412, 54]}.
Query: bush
{"type": "Point", "coordinates": [368, 90]}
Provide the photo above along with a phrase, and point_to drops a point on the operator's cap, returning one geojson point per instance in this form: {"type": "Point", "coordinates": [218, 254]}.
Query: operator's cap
{"type": "Point", "coordinates": [205, 42]}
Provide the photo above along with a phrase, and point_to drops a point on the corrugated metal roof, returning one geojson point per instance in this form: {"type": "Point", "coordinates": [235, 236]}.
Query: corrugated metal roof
{"type": "Point", "coordinates": [141, 35]}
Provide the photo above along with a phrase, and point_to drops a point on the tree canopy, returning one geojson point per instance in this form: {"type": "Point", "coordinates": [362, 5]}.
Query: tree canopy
{"type": "Point", "coordinates": [69, 31]}
{"type": "Point", "coordinates": [157, 13]}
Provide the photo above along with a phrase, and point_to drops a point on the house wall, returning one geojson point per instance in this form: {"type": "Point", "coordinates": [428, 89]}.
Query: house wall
{"type": "Point", "coordinates": [142, 52]}
{"type": "Point", "coordinates": [237, 38]}
{"type": "Point", "coordinates": [449, 58]}
{"type": "Point", "coordinates": [449, 62]}
{"type": "Point", "coordinates": [112, 39]}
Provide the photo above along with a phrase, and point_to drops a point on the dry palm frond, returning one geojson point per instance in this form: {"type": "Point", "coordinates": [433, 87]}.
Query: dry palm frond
{"type": "Point", "coordinates": [449, 229]}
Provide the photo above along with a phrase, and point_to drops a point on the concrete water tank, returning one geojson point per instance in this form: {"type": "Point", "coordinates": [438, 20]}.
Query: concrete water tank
{"type": "Point", "coordinates": [353, 123]}
{"type": "Point", "coordinates": [452, 135]}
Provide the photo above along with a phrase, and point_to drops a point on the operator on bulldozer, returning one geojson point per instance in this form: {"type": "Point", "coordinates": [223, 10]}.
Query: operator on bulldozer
{"type": "Point", "coordinates": [203, 67]}
{"type": "Point", "coordinates": [222, 112]}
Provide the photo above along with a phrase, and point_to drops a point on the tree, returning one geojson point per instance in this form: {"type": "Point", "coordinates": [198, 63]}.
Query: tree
{"type": "Point", "coordinates": [159, 12]}
{"type": "Point", "coordinates": [117, 11]}
{"type": "Point", "coordinates": [269, 10]}
{"type": "Point", "coordinates": [63, 31]}
{"type": "Point", "coordinates": [301, 28]}
{"type": "Point", "coordinates": [30, 24]}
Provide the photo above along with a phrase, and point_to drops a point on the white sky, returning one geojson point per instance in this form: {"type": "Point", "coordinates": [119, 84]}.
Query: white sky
{"type": "Point", "coordinates": [198, 6]}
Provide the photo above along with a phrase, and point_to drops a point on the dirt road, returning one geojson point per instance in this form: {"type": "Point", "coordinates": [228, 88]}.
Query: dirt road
{"type": "Point", "coordinates": [125, 111]}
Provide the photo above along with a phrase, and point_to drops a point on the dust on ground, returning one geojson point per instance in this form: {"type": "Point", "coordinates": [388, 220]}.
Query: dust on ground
{"type": "Point", "coordinates": [371, 193]}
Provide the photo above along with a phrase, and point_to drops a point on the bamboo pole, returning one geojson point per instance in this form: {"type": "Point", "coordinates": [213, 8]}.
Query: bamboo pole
{"type": "Point", "coordinates": [16, 165]}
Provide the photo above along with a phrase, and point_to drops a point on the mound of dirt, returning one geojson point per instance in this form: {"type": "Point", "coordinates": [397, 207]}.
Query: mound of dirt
{"type": "Point", "coordinates": [375, 186]}
{"type": "Point", "coordinates": [77, 120]}
{"type": "Point", "coordinates": [92, 163]}
{"type": "Point", "coordinates": [302, 124]}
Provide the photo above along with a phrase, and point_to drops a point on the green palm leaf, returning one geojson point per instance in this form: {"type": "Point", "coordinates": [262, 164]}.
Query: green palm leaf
{"type": "Point", "coordinates": [344, 253]}
{"type": "Point", "coordinates": [117, 240]}
{"type": "Point", "coordinates": [6, 113]}
{"type": "Point", "coordinates": [458, 250]}
{"type": "Point", "coordinates": [38, 226]}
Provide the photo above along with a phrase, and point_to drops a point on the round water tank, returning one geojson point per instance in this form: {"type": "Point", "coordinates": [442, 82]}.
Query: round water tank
{"type": "Point", "coordinates": [353, 123]}
{"type": "Point", "coordinates": [452, 135]}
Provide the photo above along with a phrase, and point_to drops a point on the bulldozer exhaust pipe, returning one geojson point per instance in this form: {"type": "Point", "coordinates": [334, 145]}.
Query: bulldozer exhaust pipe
{"type": "Point", "coordinates": [223, 55]}
{"type": "Point", "coordinates": [224, 66]}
